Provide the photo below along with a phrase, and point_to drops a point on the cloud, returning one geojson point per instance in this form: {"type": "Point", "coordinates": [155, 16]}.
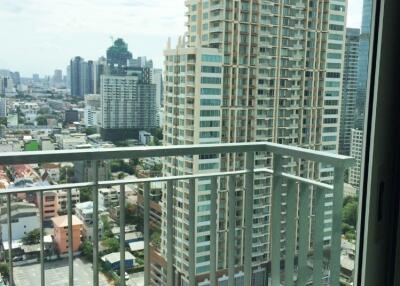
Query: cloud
{"type": "Point", "coordinates": [43, 35]}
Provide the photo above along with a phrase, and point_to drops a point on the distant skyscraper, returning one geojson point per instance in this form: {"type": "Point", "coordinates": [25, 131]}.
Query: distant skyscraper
{"type": "Point", "coordinates": [118, 56]}
{"type": "Point", "coordinates": [100, 68]}
{"type": "Point", "coordinates": [79, 78]}
{"type": "Point", "coordinates": [3, 107]}
{"type": "Point", "coordinates": [68, 77]}
{"type": "Point", "coordinates": [350, 81]}
{"type": "Point", "coordinates": [57, 77]}
{"type": "Point", "coordinates": [35, 77]}
{"type": "Point", "coordinates": [16, 78]}
{"type": "Point", "coordinates": [363, 61]}
{"type": "Point", "coordinates": [158, 80]}
{"type": "Point", "coordinates": [356, 153]}
{"type": "Point", "coordinates": [128, 105]}
{"type": "Point", "coordinates": [90, 81]}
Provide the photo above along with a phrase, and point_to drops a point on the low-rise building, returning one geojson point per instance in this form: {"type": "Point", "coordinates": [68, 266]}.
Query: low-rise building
{"type": "Point", "coordinates": [109, 197]}
{"type": "Point", "coordinates": [62, 198]}
{"type": "Point", "coordinates": [24, 219]}
{"type": "Point", "coordinates": [60, 224]}
{"type": "Point", "coordinates": [50, 205]}
{"type": "Point", "coordinates": [84, 211]}
{"type": "Point", "coordinates": [113, 260]}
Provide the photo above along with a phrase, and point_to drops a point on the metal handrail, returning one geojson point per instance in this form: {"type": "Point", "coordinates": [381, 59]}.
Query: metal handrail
{"type": "Point", "coordinates": [33, 157]}
{"type": "Point", "coordinates": [279, 152]}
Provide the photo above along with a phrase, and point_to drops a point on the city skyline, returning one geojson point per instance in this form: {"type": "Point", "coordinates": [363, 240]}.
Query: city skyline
{"type": "Point", "coordinates": [56, 31]}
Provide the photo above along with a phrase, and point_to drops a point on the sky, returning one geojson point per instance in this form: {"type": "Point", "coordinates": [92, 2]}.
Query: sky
{"type": "Point", "coordinates": [39, 36]}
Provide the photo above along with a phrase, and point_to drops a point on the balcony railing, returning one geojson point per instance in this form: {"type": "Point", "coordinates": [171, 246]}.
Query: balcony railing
{"type": "Point", "coordinates": [294, 265]}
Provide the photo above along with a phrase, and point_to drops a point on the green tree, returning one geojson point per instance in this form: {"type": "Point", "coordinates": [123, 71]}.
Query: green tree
{"type": "Point", "coordinates": [41, 120]}
{"type": "Point", "coordinates": [66, 173]}
{"type": "Point", "coordinates": [32, 237]}
{"type": "Point", "coordinates": [350, 213]}
{"type": "Point", "coordinates": [90, 131]}
{"type": "Point", "coordinates": [87, 249]}
{"type": "Point", "coordinates": [156, 238]}
{"type": "Point", "coordinates": [85, 194]}
{"type": "Point", "coordinates": [107, 227]}
{"type": "Point", "coordinates": [112, 244]}
{"type": "Point", "coordinates": [4, 271]}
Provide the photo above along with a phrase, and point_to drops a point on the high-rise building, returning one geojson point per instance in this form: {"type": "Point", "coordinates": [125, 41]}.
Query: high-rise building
{"type": "Point", "coordinates": [245, 72]}
{"type": "Point", "coordinates": [128, 104]}
{"type": "Point", "coordinates": [158, 81]}
{"type": "Point", "coordinates": [118, 57]}
{"type": "Point", "coordinates": [350, 72]}
{"type": "Point", "coordinates": [90, 74]}
{"type": "Point", "coordinates": [57, 77]}
{"type": "Point", "coordinates": [3, 107]}
{"type": "Point", "coordinates": [100, 68]}
{"type": "Point", "coordinates": [78, 68]}
{"type": "Point", "coordinates": [356, 153]}
{"type": "Point", "coordinates": [92, 111]}
{"type": "Point", "coordinates": [363, 61]}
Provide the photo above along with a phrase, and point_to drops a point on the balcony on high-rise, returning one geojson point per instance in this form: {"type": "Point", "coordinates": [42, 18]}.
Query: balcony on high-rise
{"type": "Point", "coordinates": [302, 246]}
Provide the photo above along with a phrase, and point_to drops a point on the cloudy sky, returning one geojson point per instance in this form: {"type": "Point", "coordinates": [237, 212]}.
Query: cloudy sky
{"type": "Point", "coordinates": [38, 36]}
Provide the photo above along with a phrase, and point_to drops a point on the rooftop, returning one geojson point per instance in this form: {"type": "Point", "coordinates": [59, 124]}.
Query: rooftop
{"type": "Point", "coordinates": [62, 221]}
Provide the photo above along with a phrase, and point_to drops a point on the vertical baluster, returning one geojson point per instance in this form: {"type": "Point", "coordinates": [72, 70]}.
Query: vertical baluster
{"type": "Point", "coordinates": [70, 239]}
{"type": "Point", "coordinates": [213, 231]}
{"type": "Point", "coordinates": [10, 262]}
{"type": "Point", "coordinates": [318, 236]}
{"type": "Point", "coordinates": [231, 230]}
{"type": "Point", "coordinates": [304, 229]}
{"type": "Point", "coordinates": [192, 231]}
{"type": "Point", "coordinates": [41, 210]}
{"type": "Point", "coordinates": [276, 219]}
{"type": "Point", "coordinates": [146, 220]}
{"type": "Point", "coordinates": [122, 234]}
{"type": "Point", "coordinates": [291, 214]}
{"type": "Point", "coordinates": [96, 225]}
{"type": "Point", "coordinates": [248, 218]}
{"type": "Point", "coordinates": [338, 185]}
{"type": "Point", "coordinates": [170, 228]}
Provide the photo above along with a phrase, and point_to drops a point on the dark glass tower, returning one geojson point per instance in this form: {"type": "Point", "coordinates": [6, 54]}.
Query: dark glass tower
{"type": "Point", "coordinates": [363, 63]}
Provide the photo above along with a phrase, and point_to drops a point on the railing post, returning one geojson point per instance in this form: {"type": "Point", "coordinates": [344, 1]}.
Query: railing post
{"type": "Point", "coordinates": [122, 234]}
{"type": "Point", "coordinates": [192, 231]}
{"type": "Point", "coordinates": [318, 236]}
{"type": "Point", "coordinates": [291, 214]}
{"type": "Point", "coordinates": [146, 221]}
{"type": "Point", "coordinates": [170, 228]}
{"type": "Point", "coordinates": [231, 229]}
{"type": "Point", "coordinates": [70, 239]}
{"type": "Point", "coordinates": [9, 224]}
{"type": "Point", "coordinates": [276, 219]}
{"type": "Point", "coordinates": [96, 225]}
{"type": "Point", "coordinates": [213, 231]}
{"type": "Point", "coordinates": [248, 218]}
{"type": "Point", "coordinates": [338, 185]}
{"type": "Point", "coordinates": [304, 229]}
{"type": "Point", "coordinates": [41, 209]}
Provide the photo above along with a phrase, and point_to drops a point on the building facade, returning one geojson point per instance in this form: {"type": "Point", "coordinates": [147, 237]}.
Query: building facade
{"type": "Point", "coordinates": [128, 104]}
{"type": "Point", "coordinates": [249, 71]}
{"type": "Point", "coordinates": [350, 81]}
{"type": "Point", "coordinates": [356, 152]}
{"type": "Point", "coordinates": [363, 63]}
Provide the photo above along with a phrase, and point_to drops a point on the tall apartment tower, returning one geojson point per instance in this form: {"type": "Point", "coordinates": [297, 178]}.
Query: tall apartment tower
{"type": "Point", "coordinates": [78, 70]}
{"type": "Point", "coordinates": [350, 72]}
{"type": "Point", "coordinates": [356, 153]}
{"type": "Point", "coordinates": [128, 105]}
{"type": "Point", "coordinates": [246, 71]}
{"type": "Point", "coordinates": [363, 61]}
